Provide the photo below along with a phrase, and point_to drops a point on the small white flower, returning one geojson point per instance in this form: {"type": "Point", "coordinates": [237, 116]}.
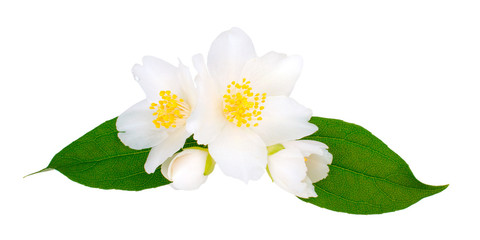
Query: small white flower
{"type": "Point", "coordinates": [158, 122]}
{"type": "Point", "coordinates": [298, 165]}
{"type": "Point", "coordinates": [188, 169]}
{"type": "Point", "coordinates": [243, 104]}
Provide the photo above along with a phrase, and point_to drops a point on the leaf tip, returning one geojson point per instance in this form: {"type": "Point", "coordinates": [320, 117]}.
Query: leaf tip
{"type": "Point", "coordinates": [43, 170]}
{"type": "Point", "coordinates": [443, 187]}
{"type": "Point", "coordinates": [438, 189]}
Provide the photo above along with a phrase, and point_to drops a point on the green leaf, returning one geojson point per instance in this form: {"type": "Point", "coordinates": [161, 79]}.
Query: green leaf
{"type": "Point", "coordinates": [99, 159]}
{"type": "Point", "coordinates": [365, 177]}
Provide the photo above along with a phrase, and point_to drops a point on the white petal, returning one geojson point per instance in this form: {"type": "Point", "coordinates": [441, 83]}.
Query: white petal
{"type": "Point", "coordinates": [284, 120]}
{"type": "Point", "coordinates": [288, 170]}
{"type": "Point", "coordinates": [273, 73]}
{"type": "Point", "coordinates": [136, 129]}
{"type": "Point", "coordinates": [158, 154]}
{"type": "Point", "coordinates": [187, 86]}
{"type": "Point", "coordinates": [228, 54]}
{"type": "Point", "coordinates": [317, 166]}
{"type": "Point", "coordinates": [156, 75]}
{"type": "Point", "coordinates": [165, 167]}
{"type": "Point", "coordinates": [206, 120]}
{"type": "Point", "coordinates": [309, 190]}
{"type": "Point", "coordinates": [307, 147]}
{"type": "Point", "coordinates": [240, 153]}
{"type": "Point", "coordinates": [186, 169]}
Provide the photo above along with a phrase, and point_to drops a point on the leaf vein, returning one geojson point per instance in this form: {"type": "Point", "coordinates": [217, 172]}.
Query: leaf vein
{"type": "Point", "coordinates": [346, 199]}
{"type": "Point", "coordinates": [360, 145]}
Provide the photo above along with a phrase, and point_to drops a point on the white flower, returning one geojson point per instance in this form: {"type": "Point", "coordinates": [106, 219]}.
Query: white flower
{"type": "Point", "coordinates": [188, 169]}
{"type": "Point", "coordinates": [298, 165]}
{"type": "Point", "coordinates": [243, 104]}
{"type": "Point", "coordinates": [158, 122]}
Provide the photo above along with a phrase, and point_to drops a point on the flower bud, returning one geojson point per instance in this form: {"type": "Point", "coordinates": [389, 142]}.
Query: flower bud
{"type": "Point", "coordinates": [298, 165]}
{"type": "Point", "coordinates": [188, 169]}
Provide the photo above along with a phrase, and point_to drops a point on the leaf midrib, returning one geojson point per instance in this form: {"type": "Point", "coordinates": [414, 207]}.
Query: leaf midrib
{"type": "Point", "coordinates": [101, 159]}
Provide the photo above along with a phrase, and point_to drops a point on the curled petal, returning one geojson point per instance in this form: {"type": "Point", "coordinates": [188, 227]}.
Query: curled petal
{"type": "Point", "coordinates": [317, 157]}
{"type": "Point", "coordinates": [318, 166]}
{"type": "Point", "coordinates": [186, 169]}
{"type": "Point", "coordinates": [186, 85]}
{"type": "Point", "coordinates": [308, 147]}
{"type": "Point", "coordinates": [288, 170]}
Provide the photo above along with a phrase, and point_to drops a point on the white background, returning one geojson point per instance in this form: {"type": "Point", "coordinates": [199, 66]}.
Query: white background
{"type": "Point", "coordinates": [406, 70]}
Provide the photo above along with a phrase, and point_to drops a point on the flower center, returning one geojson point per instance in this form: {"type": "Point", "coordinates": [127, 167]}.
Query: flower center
{"type": "Point", "coordinates": [241, 105]}
{"type": "Point", "coordinates": [170, 111]}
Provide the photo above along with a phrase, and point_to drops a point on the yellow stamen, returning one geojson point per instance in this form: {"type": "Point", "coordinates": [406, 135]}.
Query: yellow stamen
{"type": "Point", "coordinates": [170, 110]}
{"type": "Point", "coordinates": [241, 104]}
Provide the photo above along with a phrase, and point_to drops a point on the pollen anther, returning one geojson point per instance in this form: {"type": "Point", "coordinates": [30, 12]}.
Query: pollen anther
{"type": "Point", "coordinates": [169, 110]}
{"type": "Point", "coordinates": [241, 104]}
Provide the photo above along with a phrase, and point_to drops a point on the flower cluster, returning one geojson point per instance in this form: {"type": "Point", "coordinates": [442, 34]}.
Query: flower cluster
{"type": "Point", "coordinates": [239, 106]}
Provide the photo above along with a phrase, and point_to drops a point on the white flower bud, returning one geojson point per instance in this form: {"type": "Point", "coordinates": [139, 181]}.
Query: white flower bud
{"type": "Point", "coordinates": [298, 165]}
{"type": "Point", "coordinates": [188, 169]}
